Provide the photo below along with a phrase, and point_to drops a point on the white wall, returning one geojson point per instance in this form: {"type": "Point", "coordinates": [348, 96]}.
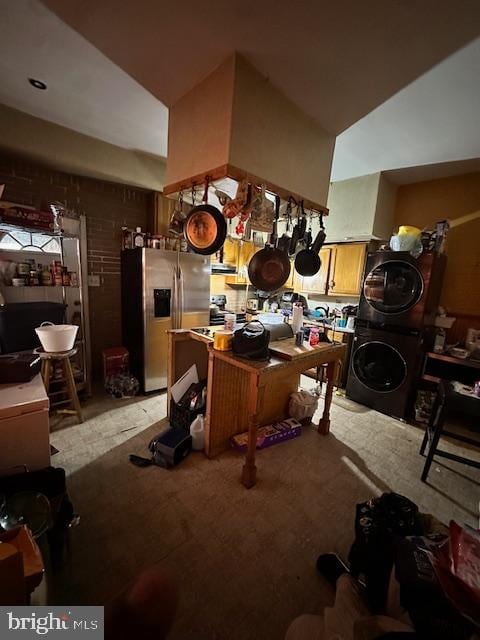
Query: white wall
{"type": "Point", "coordinates": [67, 150]}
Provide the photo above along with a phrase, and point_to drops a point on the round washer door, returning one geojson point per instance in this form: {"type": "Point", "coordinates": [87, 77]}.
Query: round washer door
{"type": "Point", "coordinates": [393, 287]}
{"type": "Point", "coordinates": [379, 366]}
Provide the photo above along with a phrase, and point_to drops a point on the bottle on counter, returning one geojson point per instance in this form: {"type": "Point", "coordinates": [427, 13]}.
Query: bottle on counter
{"type": "Point", "coordinates": [314, 337]}
{"type": "Point", "coordinates": [58, 277]}
{"type": "Point", "coordinates": [46, 277]}
{"type": "Point", "coordinates": [73, 279]}
{"type": "Point", "coordinates": [65, 277]}
{"type": "Point", "coordinates": [138, 238]}
{"type": "Point", "coordinates": [33, 278]}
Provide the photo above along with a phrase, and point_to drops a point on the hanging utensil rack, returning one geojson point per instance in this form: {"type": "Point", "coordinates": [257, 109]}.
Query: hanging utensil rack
{"type": "Point", "coordinates": [226, 178]}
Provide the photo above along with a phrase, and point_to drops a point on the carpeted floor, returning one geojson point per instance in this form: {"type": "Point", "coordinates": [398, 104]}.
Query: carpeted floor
{"type": "Point", "coordinates": [244, 560]}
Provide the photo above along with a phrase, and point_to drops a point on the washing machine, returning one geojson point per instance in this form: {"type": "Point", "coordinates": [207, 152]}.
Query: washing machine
{"type": "Point", "coordinates": [400, 290]}
{"type": "Point", "coordinates": [384, 369]}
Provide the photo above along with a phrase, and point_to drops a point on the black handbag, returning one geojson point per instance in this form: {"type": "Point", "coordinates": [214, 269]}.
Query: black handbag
{"type": "Point", "coordinates": [251, 341]}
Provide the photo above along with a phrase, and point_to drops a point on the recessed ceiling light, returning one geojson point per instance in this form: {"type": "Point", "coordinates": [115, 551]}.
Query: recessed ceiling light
{"type": "Point", "coordinates": [38, 84]}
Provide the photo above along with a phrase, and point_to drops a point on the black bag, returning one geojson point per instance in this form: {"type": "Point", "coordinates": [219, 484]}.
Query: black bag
{"type": "Point", "coordinates": [251, 341]}
{"type": "Point", "coordinates": [378, 523]}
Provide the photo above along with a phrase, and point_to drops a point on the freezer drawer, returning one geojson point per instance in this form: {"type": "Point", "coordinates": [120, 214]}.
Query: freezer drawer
{"type": "Point", "coordinates": [24, 442]}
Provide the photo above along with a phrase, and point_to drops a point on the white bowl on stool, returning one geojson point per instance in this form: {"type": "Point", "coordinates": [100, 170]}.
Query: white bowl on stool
{"type": "Point", "coordinates": [56, 338]}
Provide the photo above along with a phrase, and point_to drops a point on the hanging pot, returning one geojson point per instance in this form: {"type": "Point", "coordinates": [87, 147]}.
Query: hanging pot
{"type": "Point", "coordinates": [269, 268]}
{"type": "Point", "coordinates": [205, 229]}
{"type": "Point", "coordinates": [307, 261]}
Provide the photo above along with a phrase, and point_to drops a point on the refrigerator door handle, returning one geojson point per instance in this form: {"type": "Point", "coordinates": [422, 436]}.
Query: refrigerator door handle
{"type": "Point", "coordinates": [175, 295]}
{"type": "Point", "coordinates": [181, 300]}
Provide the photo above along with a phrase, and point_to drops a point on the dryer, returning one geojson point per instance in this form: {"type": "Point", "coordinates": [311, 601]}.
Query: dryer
{"type": "Point", "coordinates": [400, 290]}
{"type": "Point", "coordinates": [384, 368]}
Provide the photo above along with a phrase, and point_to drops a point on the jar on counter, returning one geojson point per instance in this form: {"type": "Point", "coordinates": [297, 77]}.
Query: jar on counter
{"type": "Point", "coordinates": [58, 279]}
{"type": "Point", "coordinates": [23, 269]}
{"type": "Point", "coordinates": [73, 279]}
{"type": "Point", "coordinates": [46, 277]}
{"type": "Point", "coordinates": [138, 238]}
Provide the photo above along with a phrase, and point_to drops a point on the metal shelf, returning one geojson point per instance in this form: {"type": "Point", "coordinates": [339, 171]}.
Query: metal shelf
{"type": "Point", "coordinates": [41, 286]}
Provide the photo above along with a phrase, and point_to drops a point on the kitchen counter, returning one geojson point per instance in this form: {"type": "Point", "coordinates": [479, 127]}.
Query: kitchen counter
{"type": "Point", "coordinates": [24, 427]}
{"type": "Point", "coordinates": [245, 394]}
{"type": "Point", "coordinates": [23, 397]}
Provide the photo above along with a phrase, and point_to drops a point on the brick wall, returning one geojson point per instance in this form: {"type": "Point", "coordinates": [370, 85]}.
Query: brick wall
{"type": "Point", "coordinates": [107, 206]}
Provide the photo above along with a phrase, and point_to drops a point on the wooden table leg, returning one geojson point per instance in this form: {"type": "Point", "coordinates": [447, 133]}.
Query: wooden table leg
{"type": "Point", "coordinates": [324, 424]}
{"type": "Point", "coordinates": [72, 389]}
{"type": "Point", "coordinates": [46, 372]}
{"type": "Point", "coordinates": [249, 471]}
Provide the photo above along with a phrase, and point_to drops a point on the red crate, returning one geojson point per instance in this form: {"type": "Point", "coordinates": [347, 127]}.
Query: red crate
{"type": "Point", "coordinates": [115, 360]}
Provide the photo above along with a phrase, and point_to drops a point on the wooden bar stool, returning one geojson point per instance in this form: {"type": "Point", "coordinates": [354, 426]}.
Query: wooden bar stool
{"type": "Point", "coordinates": [49, 358]}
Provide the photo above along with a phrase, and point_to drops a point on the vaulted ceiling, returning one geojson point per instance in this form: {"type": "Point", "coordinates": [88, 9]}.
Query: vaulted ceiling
{"type": "Point", "coordinates": [336, 60]}
{"type": "Point", "coordinates": [397, 79]}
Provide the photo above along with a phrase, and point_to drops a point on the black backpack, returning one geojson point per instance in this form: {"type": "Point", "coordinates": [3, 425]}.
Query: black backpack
{"type": "Point", "coordinates": [251, 341]}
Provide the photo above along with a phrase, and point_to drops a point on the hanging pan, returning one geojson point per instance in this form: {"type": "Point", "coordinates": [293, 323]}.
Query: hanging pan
{"type": "Point", "coordinates": [205, 228]}
{"type": "Point", "coordinates": [269, 268]}
{"type": "Point", "coordinates": [307, 261]}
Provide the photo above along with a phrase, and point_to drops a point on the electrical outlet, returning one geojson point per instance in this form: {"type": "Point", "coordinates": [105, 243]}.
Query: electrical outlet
{"type": "Point", "coordinates": [93, 280]}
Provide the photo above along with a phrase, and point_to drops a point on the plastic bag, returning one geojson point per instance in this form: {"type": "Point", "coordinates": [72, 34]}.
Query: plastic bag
{"type": "Point", "coordinates": [302, 405]}
{"type": "Point", "coordinates": [122, 385]}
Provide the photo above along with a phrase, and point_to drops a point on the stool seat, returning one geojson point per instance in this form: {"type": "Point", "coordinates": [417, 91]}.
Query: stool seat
{"type": "Point", "coordinates": [54, 355]}
{"type": "Point", "coordinates": [63, 357]}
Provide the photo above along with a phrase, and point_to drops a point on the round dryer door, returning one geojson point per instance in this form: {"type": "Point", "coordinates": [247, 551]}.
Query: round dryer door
{"type": "Point", "coordinates": [393, 287]}
{"type": "Point", "coordinates": [379, 366]}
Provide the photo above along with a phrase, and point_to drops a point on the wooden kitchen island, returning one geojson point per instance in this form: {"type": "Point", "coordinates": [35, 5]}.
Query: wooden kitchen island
{"type": "Point", "coordinates": [245, 394]}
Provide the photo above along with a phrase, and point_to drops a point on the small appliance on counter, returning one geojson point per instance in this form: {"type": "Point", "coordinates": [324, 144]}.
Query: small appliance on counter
{"type": "Point", "coordinates": [218, 311]}
{"type": "Point", "coordinates": [19, 367]}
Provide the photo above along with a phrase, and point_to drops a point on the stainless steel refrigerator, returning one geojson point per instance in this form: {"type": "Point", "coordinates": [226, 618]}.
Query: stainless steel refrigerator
{"type": "Point", "coordinates": [161, 290]}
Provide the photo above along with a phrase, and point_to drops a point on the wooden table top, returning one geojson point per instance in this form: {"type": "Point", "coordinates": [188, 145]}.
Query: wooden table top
{"type": "Point", "coordinates": [298, 358]}
{"type": "Point", "coordinates": [313, 358]}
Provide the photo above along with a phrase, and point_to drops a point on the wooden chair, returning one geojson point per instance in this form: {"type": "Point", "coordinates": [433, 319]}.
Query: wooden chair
{"type": "Point", "coordinates": [435, 430]}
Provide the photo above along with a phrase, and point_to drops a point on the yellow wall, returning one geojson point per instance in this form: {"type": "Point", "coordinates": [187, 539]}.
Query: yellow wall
{"type": "Point", "coordinates": [67, 150]}
{"type": "Point", "coordinates": [422, 204]}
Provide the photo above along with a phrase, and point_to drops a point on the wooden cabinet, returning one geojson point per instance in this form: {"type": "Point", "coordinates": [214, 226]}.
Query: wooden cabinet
{"type": "Point", "coordinates": [246, 249]}
{"type": "Point", "coordinates": [295, 280]}
{"type": "Point", "coordinates": [231, 249]}
{"type": "Point", "coordinates": [319, 282]}
{"type": "Point", "coordinates": [346, 268]}
{"type": "Point", "coordinates": [340, 272]}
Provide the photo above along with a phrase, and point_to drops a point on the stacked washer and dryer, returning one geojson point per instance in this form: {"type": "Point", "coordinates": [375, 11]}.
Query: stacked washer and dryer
{"type": "Point", "coordinates": [394, 328]}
